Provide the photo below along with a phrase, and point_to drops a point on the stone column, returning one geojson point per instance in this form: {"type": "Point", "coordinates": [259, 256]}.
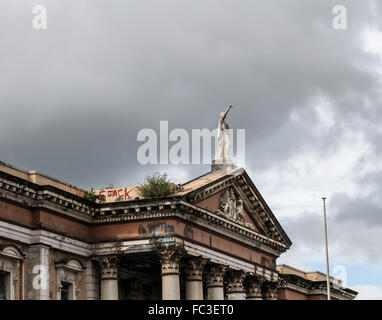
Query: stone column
{"type": "Point", "coordinates": [235, 287]}
{"type": "Point", "coordinates": [194, 281]}
{"type": "Point", "coordinates": [270, 290]}
{"type": "Point", "coordinates": [37, 272]}
{"type": "Point", "coordinates": [215, 285]}
{"type": "Point", "coordinates": [254, 285]}
{"type": "Point", "coordinates": [92, 284]}
{"type": "Point", "coordinates": [170, 275]}
{"type": "Point", "coordinates": [109, 278]}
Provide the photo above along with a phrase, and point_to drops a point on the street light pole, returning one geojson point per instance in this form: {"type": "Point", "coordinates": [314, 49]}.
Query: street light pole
{"type": "Point", "coordinates": [327, 254]}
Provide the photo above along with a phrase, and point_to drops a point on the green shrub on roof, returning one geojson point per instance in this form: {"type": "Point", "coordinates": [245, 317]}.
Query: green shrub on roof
{"type": "Point", "coordinates": [156, 185]}
{"type": "Point", "coordinates": [91, 195]}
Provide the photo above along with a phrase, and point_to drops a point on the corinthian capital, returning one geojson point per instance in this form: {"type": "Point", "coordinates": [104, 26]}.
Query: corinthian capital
{"type": "Point", "coordinates": [216, 275]}
{"type": "Point", "coordinates": [194, 269]}
{"type": "Point", "coordinates": [253, 288]}
{"type": "Point", "coordinates": [270, 290]}
{"type": "Point", "coordinates": [235, 283]}
{"type": "Point", "coordinates": [108, 267]}
{"type": "Point", "coordinates": [170, 261]}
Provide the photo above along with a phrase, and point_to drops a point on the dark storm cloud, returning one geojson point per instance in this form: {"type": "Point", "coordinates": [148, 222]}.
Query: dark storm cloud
{"type": "Point", "coordinates": [73, 97]}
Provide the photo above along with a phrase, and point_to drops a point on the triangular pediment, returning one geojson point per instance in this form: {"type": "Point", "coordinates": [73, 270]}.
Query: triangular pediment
{"type": "Point", "coordinates": [228, 203]}
{"type": "Point", "coordinates": [234, 196]}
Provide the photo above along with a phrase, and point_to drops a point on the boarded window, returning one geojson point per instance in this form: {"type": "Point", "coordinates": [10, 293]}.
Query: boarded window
{"type": "Point", "coordinates": [3, 286]}
{"type": "Point", "coordinates": [66, 291]}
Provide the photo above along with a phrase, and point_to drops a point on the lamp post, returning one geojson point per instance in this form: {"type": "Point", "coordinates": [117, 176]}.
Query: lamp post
{"type": "Point", "coordinates": [326, 249]}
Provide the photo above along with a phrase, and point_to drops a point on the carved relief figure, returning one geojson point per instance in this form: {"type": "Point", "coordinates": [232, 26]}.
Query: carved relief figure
{"type": "Point", "coordinates": [240, 210]}
{"type": "Point", "coordinates": [224, 203]}
{"type": "Point", "coordinates": [230, 207]}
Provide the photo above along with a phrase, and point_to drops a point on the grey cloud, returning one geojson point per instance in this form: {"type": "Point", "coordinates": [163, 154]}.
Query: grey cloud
{"type": "Point", "coordinates": [73, 98]}
{"type": "Point", "coordinates": [354, 231]}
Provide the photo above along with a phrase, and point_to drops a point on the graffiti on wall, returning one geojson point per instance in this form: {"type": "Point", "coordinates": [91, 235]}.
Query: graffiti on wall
{"type": "Point", "coordinates": [156, 229]}
{"type": "Point", "coordinates": [117, 194]}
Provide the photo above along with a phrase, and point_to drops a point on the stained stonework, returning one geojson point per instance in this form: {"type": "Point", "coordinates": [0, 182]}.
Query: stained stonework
{"type": "Point", "coordinates": [194, 269]}
{"type": "Point", "coordinates": [170, 262]}
{"type": "Point", "coordinates": [215, 277]}
{"type": "Point", "coordinates": [231, 207]}
{"type": "Point", "coordinates": [92, 283]}
{"type": "Point", "coordinates": [11, 260]}
{"type": "Point", "coordinates": [109, 267]}
{"type": "Point", "coordinates": [253, 286]}
{"type": "Point", "coordinates": [37, 272]}
{"type": "Point", "coordinates": [270, 290]}
{"type": "Point", "coordinates": [235, 282]}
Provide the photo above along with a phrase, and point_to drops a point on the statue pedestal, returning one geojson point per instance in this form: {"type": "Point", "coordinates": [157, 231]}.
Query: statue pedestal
{"type": "Point", "coordinates": [221, 166]}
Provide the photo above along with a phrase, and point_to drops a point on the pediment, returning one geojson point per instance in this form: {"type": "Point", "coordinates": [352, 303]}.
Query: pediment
{"type": "Point", "coordinates": [229, 204]}
{"type": "Point", "coordinates": [234, 196]}
{"type": "Point", "coordinates": [71, 264]}
{"type": "Point", "coordinates": [12, 251]}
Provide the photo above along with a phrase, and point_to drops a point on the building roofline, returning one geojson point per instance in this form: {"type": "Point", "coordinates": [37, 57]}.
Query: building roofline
{"type": "Point", "coordinates": [29, 173]}
{"type": "Point", "coordinates": [307, 272]}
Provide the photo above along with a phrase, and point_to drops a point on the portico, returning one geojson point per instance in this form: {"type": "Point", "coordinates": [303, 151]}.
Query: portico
{"type": "Point", "coordinates": [166, 269]}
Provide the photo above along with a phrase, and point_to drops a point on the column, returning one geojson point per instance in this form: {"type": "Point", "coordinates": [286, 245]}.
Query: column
{"type": "Point", "coordinates": [194, 281]}
{"type": "Point", "coordinates": [215, 285]}
{"type": "Point", "coordinates": [270, 290]}
{"type": "Point", "coordinates": [235, 287]}
{"type": "Point", "coordinates": [92, 284]}
{"type": "Point", "coordinates": [254, 285]}
{"type": "Point", "coordinates": [170, 275]}
{"type": "Point", "coordinates": [109, 277]}
{"type": "Point", "coordinates": [37, 272]}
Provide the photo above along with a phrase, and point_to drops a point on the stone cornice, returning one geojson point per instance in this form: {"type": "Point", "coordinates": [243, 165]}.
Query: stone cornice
{"type": "Point", "coordinates": [337, 294]}
{"type": "Point", "coordinates": [312, 287]}
{"type": "Point", "coordinates": [260, 213]}
{"type": "Point", "coordinates": [235, 227]}
{"type": "Point", "coordinates": [33, 196]}
{"type": "Point", "coordinates": [188, 212]}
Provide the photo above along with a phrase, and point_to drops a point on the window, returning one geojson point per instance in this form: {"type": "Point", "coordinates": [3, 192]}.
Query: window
{"type": "Point", "coordinates": [68, 275]}
{"type": "Point", "coordinates": [66, 290]}
{"type": "Point", "coordinates": [10, 257]}
{"type": "Point", "coordinates": [3, 286]}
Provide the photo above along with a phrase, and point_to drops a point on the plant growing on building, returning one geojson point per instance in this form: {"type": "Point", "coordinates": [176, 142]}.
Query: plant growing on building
{"type": "Point", "coordinates": [156, 185]}
{"type": "Point", "coordinates": [190, 197]}
{"type": "Point", "coordinates": [158, 245]}
{"type": "Point", "coordinates": [91, 195]}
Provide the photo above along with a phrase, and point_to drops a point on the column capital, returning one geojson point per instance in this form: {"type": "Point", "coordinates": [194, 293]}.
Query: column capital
{"type": "Point", "coordinates": [270, 290]}
{"type": "Point", "coordinates": [253, 287]}
{"type": "Point", "coordinates": [108, 267]}
{"type": "Point", "coordinates": [235, 281]}
{"type": "Point", "coordinates": [170, 261]}
{"type": "Point", "coordinates": [194, 268]}
{"type": "Point", "coordinates": [215, 275]}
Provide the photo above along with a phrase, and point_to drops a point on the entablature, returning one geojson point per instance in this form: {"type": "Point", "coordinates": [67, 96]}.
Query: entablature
{"type": "Point", "coordinates": [192, 213]}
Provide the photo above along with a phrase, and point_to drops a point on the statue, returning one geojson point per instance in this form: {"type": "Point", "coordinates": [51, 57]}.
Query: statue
{"type": "Point", "coordinates": [222, 153]}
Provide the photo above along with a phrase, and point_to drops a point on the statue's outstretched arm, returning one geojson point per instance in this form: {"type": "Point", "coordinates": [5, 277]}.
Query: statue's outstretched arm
{"type": "Point", "coordinates": [225, 113]}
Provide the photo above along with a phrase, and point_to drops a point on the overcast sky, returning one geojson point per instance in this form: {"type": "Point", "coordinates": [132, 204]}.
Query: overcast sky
{"type": "Point", "coordinates": [74, 96]}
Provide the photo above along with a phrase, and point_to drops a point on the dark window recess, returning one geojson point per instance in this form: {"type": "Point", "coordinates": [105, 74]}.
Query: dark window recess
{"type": "Point", "coordinates": [3, 287]}
{"type": "Point", "coordinates": [65, 287]}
